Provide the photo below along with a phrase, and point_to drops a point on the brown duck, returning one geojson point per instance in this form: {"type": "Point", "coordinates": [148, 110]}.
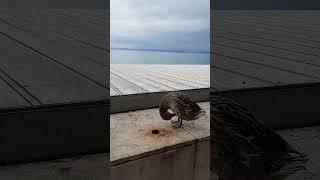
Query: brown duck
{"type": "Point", "coordinates": [180, 105]}
{"type": "Point", "coordinates": [244, 148]}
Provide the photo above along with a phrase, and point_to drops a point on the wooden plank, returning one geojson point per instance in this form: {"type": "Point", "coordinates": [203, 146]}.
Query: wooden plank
{"type": "Point", "coordinates": [296, 47]}
{"type": "Point", "coordinates": [270, 27]}
{"type": "Point", "coordinates": [312, 41]}
{"type": "Point", "coordinates": [95, 12]}
{"type": "Point", "coordinates": [300, 68]}
{"type": "Point", "coordinates": [48, 82]}
{"type": "Point", "coordinates": [248, 18]}
{"type": "Point", "coordinates": [294, 56]}
{"type": "Point", "coordinates": [177, 81]}
{"type": "Point", "coordinates": [113, 92]}
{"type": "Point", "coordinates": [223, 80]}
{"type": "Point", "coordinates": [187, 81]}
{"type": "Point", "coordinates": [125, 86]}
{"type": "Point", "coordinates": [147, 87]}
{"type": "Point", "coordinates": [162, 80]}
{"type": "Point", "coordinates": [296, 18]}
{"type": "Point", "coordinates": [99, 20]}
{"type": "Point", "coordinates": [264, 73]}
{"type": "Point", "coordinates": [9, 98]}
{"type": "Point", "coordinates": [158, 78]}
{"type": "Point", "coordinates": [267, 35]}
{"type": "Point", "coordinates": [199, 74]}
{"type": "Point", "coordinates": [75, 56]}
{"type": "Point", "coordinates": [147, 84]}
{"type": "Point", "coordinates": [79, 30]}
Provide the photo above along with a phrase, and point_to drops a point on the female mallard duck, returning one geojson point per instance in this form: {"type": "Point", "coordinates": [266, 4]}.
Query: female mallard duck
{"type": "Point", "coordinates": [181, 106]}
{"type": "Point", "coordinates": [244, 148]}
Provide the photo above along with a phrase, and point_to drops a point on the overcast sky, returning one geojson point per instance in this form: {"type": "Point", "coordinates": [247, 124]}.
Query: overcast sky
{"type": "Point", "coordinates": [160, 24]}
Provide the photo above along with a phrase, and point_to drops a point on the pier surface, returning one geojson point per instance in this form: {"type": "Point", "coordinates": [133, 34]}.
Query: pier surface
{"type": "Point", "coordinates": [141, 78]}
{"type": "Point", "coordinates": [53, 83]}
{"type": "Point", "coordinates": [52, 56]}
{"type": "Point", "coordinates": [264, 48]}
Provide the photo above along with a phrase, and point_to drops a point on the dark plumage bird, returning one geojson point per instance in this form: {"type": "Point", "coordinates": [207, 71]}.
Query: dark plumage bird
{"type": "Point", "coordinates": [181, 106]}
{"type": "Point", "coordinates": [242, 147]}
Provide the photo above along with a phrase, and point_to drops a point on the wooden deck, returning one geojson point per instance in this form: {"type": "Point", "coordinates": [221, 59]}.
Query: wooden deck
{"type": "Point", "coordinates": [53, 83]}
{"type": "Point", "coordinates": [136, 79]}
{"type": "Point", "coordinates": [264, 48]}
{"type": "Point", "coordinates": [52, 56]}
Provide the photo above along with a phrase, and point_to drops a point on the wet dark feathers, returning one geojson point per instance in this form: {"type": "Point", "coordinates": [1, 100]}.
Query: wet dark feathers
{"type": "Point", "coordinates": [243, 145]}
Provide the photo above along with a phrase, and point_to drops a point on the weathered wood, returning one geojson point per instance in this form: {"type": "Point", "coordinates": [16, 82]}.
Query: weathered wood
{"type": "Point", "coordinates": [269, 47]}
{"type": "Point", "coordinates": [73, 55]}
{"type": "Point", "coordinates": [42, 78]}
{"type": "Point", "coordinates": [296, 67]}
{"type": "Point", "coordinates": [133, 79]}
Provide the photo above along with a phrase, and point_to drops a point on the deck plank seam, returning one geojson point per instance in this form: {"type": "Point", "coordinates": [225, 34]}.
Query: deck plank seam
{"type": "Point", "coordinates": [21, 87]}
{"type": "Point", "coordinates": [245, 75]}
{"type": "Point", "coordinates": [115, 89]}
{"type": "Point", "coordinates": [273, 25]}
{"type": "Point", "coordinates": [79, 19]}
{"type": "Point", "coordinates": [62, 34]}
{"type": "Point", "coordinates": [257, 52]}
{"type": "Point", "coordinates": [272, 67]}
{"type": "Point", "coordinates": [156, 81]}
{"type": "Point", "coordinates": [170, 80]}
{"type": "Point", "coordinates": [259, 44]}
{"type": "Point", "coordinates": [259, 37]}
{"type": "Point", "coordinates": [135, 85]}
{"type": "Point", "coordinates": [68, 37]}
{"type": "Point", "coordinates": [143, 82]}
{"type": "Point", "coordinates": [193, 76]}
{"type": "Point", "coordinates": [271, 34]}
{"type": "Point", "coordinates": [53, 60]}
{"type": "Point", "coordinates": [88, 18]}
{"type": "Point", "coordinates": [273, 29]}
{"type": "Point", "coordinates": [167, 74]}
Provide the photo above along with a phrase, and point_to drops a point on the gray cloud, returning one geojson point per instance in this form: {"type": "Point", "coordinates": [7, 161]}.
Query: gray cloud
{"type": "Point", "coordinates": [156, 24]}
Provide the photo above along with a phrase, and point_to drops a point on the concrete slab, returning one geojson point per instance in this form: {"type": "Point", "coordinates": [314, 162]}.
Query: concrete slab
{"type": "Point", "coordinates": [78, 168]}
{"type": "Point", "coordinates": [307, 141]}
{"type": "Point", "coordinates": [202, 164]}
{"type": "Point", "coordinates": [171, 165]}
{"type": "Point", "coordinates": [137, 153]}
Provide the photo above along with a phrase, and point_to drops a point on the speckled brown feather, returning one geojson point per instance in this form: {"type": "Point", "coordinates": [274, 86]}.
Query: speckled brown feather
{"type": "Point", "coordinates": [180, 105]}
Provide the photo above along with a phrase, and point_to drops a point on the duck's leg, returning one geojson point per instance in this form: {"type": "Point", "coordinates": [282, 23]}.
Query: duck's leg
{"type": "Point", "coordinates": [180, 122]}
{"type": "Point", "coordinates": [177, 124]}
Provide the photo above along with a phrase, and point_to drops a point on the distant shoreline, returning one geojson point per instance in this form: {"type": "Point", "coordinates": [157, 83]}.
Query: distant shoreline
{"type": "Point", "coordinates": [162, 50]}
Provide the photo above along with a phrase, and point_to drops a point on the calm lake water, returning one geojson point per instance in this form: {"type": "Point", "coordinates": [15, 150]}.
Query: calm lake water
{"type": "Point", "coordinates": [154, 57]}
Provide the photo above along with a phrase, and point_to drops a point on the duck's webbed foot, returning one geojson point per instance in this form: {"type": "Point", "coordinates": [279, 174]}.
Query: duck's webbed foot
{"type": "Point", "coordinates": [177, 124]}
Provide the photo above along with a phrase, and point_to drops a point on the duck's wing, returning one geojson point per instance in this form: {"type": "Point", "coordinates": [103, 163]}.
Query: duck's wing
{"type": "Point", "coordinates": [184, 106]}
{"type": "Point", "coordinates": [180, 107]}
